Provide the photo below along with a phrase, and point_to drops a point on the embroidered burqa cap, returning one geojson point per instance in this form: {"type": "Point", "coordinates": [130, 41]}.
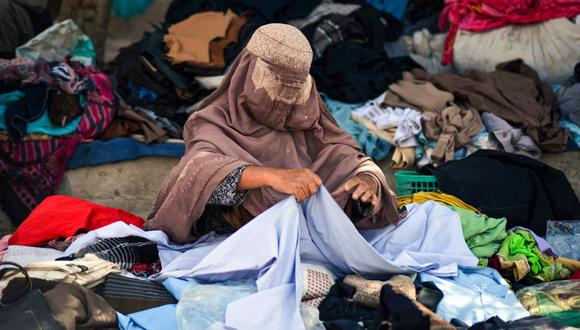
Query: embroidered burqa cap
{"type": "Point", "coordinates": [266, 112]}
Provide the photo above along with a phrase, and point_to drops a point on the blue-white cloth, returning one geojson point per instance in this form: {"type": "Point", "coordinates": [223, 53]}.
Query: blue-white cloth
{"type": "Point", "coordinates": [121, 149]}
{"type": "Point", "coordinates": [270, 248]}
{"type": "Point", "coordinates": [158, 318]}
{"type": "Point", "coordinates": [475, 295]}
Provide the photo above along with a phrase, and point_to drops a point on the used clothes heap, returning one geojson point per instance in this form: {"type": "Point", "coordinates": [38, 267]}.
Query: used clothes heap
{"type": "Point", "coordinates": [42, 100]}
{"type": "Point", "coordinates": [300, 266]}
{"type": "Point", "coordinates": [183, 60]}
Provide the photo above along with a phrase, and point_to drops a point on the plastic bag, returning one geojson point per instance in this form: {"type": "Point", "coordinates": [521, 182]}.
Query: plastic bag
{"type": "Point", "coordinates": [564, 236]}
{"type": "Point", "coordinates": [552, 48]}
{"type": "Point", "coordinates": [59, 41]}
{"type": "Point", "coordinates": [203, 306]}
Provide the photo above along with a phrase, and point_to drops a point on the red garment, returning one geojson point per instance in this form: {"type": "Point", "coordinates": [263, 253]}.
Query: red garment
{"type": "Point", "coordinates": [64, 216]}
{"type": "Point", "coordinates": [485, 15]}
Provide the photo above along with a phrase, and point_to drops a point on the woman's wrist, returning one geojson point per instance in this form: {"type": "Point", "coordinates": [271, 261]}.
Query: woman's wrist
{"type": "Point", "coordinates": [256, 177]}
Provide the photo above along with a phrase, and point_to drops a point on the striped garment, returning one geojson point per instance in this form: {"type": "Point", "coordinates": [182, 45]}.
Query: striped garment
{"type": "Point", "coordinates": [123, 251]}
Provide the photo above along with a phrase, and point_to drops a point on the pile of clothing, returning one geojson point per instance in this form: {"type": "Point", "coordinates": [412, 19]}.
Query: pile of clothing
{"type": "Point", "coordinates": [52, 97]}
{"type": "Point", "coordinates": [484, 33]}
{"type": "Point", "coordinates": [174, 67]}
{"type": "Point", "coordinates": [441, 267]}
{"type": "Point", "coordinates": [433, 118]}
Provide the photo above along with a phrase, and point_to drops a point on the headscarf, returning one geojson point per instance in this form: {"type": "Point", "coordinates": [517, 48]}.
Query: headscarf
{"type": "Point", "coordinates": [267, 112]}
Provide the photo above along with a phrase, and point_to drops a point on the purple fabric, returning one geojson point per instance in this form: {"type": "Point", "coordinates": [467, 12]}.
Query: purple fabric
{"type": "Point", "coordinates": [543, 245]}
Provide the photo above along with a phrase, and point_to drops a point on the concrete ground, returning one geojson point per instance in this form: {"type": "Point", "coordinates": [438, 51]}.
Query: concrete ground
{"type": "Point", "coordinates": [133, 185]}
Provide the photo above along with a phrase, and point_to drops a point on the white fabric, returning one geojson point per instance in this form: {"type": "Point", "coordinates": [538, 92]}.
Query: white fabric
{"type": "Point", "coordinates": [552, 48]}
{"type": "Point", "coordinates": [88, 271]}
{"type": "Point", "coordinates": [407, 121]}
{"type": "Point", "coordinates": [430, 234]}
{"type": "Point", "coordinates": [25, 255]}
{"type": "Point", "coordinates": [427, 50]}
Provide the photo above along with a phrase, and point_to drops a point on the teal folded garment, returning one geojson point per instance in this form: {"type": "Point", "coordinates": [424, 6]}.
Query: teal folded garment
{"type": "Point", "coordinates": [42, 125]}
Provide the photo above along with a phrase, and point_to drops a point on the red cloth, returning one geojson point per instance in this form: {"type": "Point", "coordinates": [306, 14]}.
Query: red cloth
{"type": "Point", "coordinates": [64, 216]}
{"type": "Point", "coordinates": [485, 15]}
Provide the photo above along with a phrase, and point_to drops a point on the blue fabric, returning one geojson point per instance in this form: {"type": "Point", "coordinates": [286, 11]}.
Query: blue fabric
{"type": "Point", "coordinates": [142, 93]}
{"type": "Point", "coordinates": [372, 145]}
{"type": "Point", "coordinates": [175, 286]}
{"type": "Point", "coordinates": [42, 125]}
{"type": "Point", "coordinates": [475, 295]}
{"type": "Point", "coordinates": [393, 7]}
{"type": "Point", "coordinates": [270, 248]}
{"type": "Point", "coordinates": [573, 128]}
{"type": "Point", "coordinates": [158, 318]}
{"type": "Point", "coordinates": [129, 8]}
{"type": "Point", "coordinates": [121, 149]}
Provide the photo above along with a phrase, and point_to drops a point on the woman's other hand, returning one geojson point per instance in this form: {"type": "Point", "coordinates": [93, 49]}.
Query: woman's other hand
{"type": "Point", "coordinates": [301, 183]}
{"type": "Point", "coordinates": [362, 187]}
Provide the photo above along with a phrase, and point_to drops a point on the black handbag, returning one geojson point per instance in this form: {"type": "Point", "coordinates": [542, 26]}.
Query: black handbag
{"type": "Point", "coordinates": [30, 310]}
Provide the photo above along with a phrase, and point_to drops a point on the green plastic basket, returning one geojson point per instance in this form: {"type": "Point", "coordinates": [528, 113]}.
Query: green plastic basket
{"type": "Point", "coordinates": [410, 182]}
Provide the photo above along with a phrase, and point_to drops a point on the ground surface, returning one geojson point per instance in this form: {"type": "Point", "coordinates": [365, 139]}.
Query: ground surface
{"type": "Point", "coordinates": [133, 185]}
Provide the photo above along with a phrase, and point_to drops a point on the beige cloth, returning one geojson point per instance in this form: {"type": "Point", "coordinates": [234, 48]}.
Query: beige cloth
{"type": "Point", "coordinates": [402, 157]}
{"type": "Point", "coordinates": [189, 40]}
{"type": "Point", "coordinates": [552, 48]}
{"type": "Point", "coordinates": [89, 271]}
{"type": "Point", "coordinates": [452, 126]}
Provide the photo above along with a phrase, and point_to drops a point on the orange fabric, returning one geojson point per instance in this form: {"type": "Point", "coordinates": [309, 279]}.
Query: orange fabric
{"type": "Point", "coordinates": [189, 41]}
{"type": "Point", "coordinates": [217, 46]}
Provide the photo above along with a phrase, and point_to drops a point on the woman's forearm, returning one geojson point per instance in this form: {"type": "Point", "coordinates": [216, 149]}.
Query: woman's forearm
{"type": "Point", "coordinates": [255, 177]}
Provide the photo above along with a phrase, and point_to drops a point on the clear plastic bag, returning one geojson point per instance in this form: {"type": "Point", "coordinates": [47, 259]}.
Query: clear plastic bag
{"type": "Point", "coordinates": [564, 236]}
{"type": "Point", "coordinates": [203, 306]}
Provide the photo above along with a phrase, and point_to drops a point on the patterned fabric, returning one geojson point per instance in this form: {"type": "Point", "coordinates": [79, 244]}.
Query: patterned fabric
{"type": "Point", "coordinates": [334, 29]}
{"type": "Point", "coordinates": [318, 281]}
{"type": "Point", "coordinates": [32, 170]}
{"type": "Point", "coordinates": [551, 297]}
{"type": "Point", "coordinates": [368, 292]}
{"type": "Point", "coordinates": [24, 72]}
{"type": "Point", "coordinates": [127, 252]}
{"type": "Point", "coordinates": [227, 193]}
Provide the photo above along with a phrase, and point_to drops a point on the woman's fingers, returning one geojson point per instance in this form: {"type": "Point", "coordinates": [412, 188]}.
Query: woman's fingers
{"type": "Point", "coordinates": [374, 199]}
{"type": "Point", "coordinates": [361, 188]}
{"type": "Point", "coordinates": [366, 197]}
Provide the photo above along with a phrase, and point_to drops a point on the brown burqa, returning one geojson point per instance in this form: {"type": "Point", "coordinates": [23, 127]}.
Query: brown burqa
{"type": "Point", "coordinates": [266, 112]}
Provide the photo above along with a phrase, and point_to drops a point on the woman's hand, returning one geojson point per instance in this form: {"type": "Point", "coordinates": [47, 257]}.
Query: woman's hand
{"type": "Point", "coordinates": [362, 187]}
{"type": "Point", "coordinates": [301, 183]}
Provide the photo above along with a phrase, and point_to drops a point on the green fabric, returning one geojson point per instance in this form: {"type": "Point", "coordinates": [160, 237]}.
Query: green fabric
{"type": "Point", "coordinates": [482, 234]}
{"type": "Point", "coordinates": [567, 318]}
{"type": "Point", "coordinates": [520, 243]}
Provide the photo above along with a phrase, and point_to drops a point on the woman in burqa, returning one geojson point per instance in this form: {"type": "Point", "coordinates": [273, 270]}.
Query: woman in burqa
{"type": "Point", "coordinates": [263, 135]}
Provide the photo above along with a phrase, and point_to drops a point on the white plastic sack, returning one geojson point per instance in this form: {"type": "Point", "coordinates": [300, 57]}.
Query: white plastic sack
{"type": "Point", "coordinates": [59, 41]}
{"type": "Point", "coordinates": [552, 48]}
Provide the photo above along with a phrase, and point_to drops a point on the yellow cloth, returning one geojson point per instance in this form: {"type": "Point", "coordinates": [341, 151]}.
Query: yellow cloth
{"type": "Point", "coordinates": [402, 157]}
{"type": "Point", "coordinates": [441, 198]}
